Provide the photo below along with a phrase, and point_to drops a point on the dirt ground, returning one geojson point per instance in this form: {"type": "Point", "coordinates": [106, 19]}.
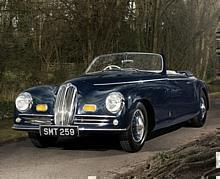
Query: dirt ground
{"type": "Point", "coordinates": [196, 159]}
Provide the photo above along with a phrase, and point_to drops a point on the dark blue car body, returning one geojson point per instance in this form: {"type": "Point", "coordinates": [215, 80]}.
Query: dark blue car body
{"type": "Point", "coordinates": [169, 99]}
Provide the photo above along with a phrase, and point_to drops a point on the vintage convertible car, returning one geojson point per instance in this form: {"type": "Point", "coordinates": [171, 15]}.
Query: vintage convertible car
{"type": "Point", "coordinates": [127, 94]}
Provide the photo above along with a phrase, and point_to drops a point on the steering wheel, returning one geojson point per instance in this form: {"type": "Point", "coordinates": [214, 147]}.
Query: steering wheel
{"type": "Point", "coordinates": [110, 67]}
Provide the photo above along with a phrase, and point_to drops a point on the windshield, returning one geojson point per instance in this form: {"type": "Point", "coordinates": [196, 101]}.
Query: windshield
{"type": "Point", "coordinates": [149, 62]}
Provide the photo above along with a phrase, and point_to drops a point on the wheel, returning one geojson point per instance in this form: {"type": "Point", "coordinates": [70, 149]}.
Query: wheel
{"type": "Point", "coordinates": [41, 142]}
{"type": "Point", "coordinates": [133, 139]}
{"type": "Point", "coordinates": [200, 119]}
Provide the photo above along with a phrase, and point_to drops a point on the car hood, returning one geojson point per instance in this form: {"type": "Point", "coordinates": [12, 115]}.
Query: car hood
{"type": "Point", "coordinates": [113, 77]}
{"type": "Point", "coordinates": [88, 92]}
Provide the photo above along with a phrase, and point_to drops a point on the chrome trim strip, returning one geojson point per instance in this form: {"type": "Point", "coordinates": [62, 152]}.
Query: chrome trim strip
{"type": "Point", "coordinates": [80, 129]}
{"type": "Point", "coordinates": [89, 129]}
{"type": "Point", "coordinates": [35, 115]}
{"type": "Point", "coordinates": [90, 123]}
{"type": "Point", "coordinates": [25, 128]}
{"type": "Point", "coordinates": [99, 116]}
{"type": "Point", "coordinates": [91, 120]}
{"type": "Point", "coordinates": [38, 121]}
{"type": "Point", "coordinates": [143, 81]}
{"type": "Point", "coordinates": [129, 82]}
{"type": "Point", "coordinates": [180, 79]}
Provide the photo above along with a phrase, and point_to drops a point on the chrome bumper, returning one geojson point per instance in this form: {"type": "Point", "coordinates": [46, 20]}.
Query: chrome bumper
{"type": "Point", "coordinates": [31, 122]}
{"type": "Point", "coordinates": [32, 128]}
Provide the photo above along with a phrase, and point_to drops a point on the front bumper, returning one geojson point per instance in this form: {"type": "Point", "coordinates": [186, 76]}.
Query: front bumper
{"type": "Point", "coordinates": [90, 123]}
{"type": "Point", "coordinates": [30, 128]}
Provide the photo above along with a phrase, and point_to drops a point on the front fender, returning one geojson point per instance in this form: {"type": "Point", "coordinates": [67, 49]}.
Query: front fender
{"type": "Point", "coordinates": [41, 95]}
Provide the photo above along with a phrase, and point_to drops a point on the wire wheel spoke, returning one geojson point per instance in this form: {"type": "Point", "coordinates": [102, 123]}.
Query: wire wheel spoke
{"type": "Point", "coordinates": [203, 107]}
{"type": "Point", "coordinates": [138, 126]}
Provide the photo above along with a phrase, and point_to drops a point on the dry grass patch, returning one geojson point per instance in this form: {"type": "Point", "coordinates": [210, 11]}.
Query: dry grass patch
{"type": "Point", "coordinates": [7, 133]}
{"type": "Point", "coordinates": [192, 160]}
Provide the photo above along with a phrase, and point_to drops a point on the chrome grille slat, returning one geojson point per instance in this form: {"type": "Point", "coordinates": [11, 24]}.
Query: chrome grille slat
{"type": "Point", "coordinates": [91, 120]}
{"type": "Point", "coordinates": [65, 105]}
{"type": "Point", "coordinates": [94, 116]}
{"type": "Point", "coordinates": [36, 115]}
{"type": "Point", "coordinates": [90, 123]}
{"type": "Point", "coordinates": [38, 121]}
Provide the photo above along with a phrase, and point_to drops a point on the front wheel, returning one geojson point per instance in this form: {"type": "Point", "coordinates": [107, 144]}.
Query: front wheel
{"type": "Point", "coordinates": [40, 141]}
{"type": "Point", "coordinates": [133, 139]}
{"type": "Point", "coordinates": [200, 119]}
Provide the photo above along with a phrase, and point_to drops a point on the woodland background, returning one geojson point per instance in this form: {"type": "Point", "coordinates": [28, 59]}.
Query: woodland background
{"type": "Point", "coordinates": [49, 41]}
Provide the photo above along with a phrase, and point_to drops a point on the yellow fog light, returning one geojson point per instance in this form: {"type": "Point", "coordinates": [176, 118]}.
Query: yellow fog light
{"type": "Point", "coordinates": [89, 108]}
{"type": "Point", "coordinates": [41, 107]}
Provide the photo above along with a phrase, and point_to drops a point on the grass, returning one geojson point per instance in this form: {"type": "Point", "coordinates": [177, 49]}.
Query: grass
{"type": "Point", "coordinates": [7, 133]}
{"type": "Point", "coordinates": [6, 122]}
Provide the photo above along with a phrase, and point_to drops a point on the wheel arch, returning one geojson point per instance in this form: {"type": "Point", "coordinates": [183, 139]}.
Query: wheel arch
{"type": "Point", "coordinates": [206, 95]}
{"type": "Point", "coordinates": [150, 112]}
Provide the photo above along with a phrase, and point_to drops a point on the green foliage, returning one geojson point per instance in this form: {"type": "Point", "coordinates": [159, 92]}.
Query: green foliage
{"type": "Point", "coordinates": [6, 110]}
{"type": "Point", "coordinates": [7, 133]}
{"type": "Point", "coordinates": [45, 42]}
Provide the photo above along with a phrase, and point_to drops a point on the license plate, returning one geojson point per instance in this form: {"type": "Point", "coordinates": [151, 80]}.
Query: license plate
{"type": "Point", "coordinates": [58, 131]}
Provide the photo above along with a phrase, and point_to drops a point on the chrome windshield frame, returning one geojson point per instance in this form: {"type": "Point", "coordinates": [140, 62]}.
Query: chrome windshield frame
{"type": "Point", "coordinates": [127, 53]}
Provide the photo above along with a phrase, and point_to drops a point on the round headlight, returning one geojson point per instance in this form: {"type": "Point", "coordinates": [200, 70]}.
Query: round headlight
{"type": "Point", "coordinates": [114, 102]}
{"type": "Point", "coordinates": [24, 102]}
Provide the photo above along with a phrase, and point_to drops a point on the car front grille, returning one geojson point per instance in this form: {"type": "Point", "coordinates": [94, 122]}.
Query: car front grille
{"type": "Point", "coordinates": [65, 105]}
{"type": "Point", "coordinates": [37, 120]}
{"type": "Point", "coordinates": [93, 119]}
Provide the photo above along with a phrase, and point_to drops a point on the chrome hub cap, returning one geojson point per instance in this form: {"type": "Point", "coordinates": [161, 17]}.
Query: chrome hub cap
{"type": "Point", "coordinates": [202, 107]}
{"type": "Point", "coordinates": [138, 126]}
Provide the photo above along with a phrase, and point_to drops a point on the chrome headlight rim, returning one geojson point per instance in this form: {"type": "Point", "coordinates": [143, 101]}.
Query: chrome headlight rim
{"type": "Point", "coordinates": [27, 100]}
{"type": "Point", "coordinates": [115, 96]}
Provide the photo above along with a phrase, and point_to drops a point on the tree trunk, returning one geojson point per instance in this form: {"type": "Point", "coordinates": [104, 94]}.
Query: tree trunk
{"type": "Point", "coordinates": [156, 22]}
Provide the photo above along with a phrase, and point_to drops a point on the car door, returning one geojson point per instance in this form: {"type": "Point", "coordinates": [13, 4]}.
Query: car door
{"type": "Point", "coordinates": [183, 96]}
{"type": "Point", "coordinates": [158, 93]}
{"type": "Point", "coordinates": [162, 103]}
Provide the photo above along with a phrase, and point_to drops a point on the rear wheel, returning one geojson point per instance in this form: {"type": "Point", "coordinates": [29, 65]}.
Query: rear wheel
{"type": "Point", "coordinates": [200, 119]}
{"type": "Point", "coordinates": [41, 141]}
{"type": "Point", "coordinates": [133, 139]}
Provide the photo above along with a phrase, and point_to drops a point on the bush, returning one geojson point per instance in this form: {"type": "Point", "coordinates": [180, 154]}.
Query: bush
{"type": "Point", "coordinates": [6, 110]}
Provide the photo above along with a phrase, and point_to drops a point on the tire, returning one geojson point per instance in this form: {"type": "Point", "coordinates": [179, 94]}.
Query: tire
{"type": "Point", "coordinates": [42, 142]}
{"type": "Point", "coordinates": [200, 119]}
{"type": "Point", "coordinates": [133, 139]}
